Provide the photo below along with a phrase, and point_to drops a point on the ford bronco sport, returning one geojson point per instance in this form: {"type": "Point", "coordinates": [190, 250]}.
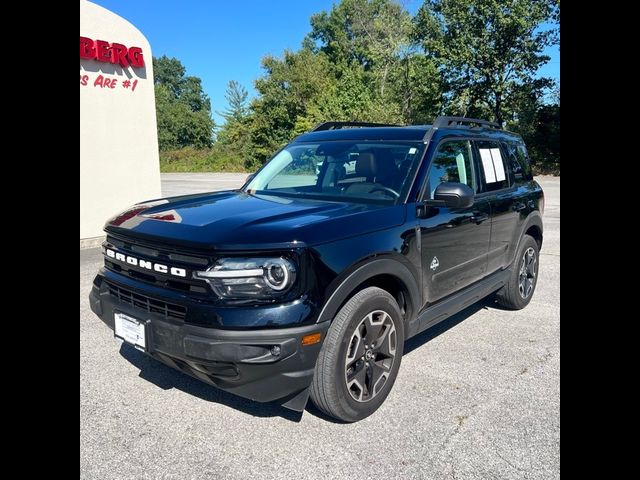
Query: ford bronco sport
{"type": "Point", "coordinates": [308, 280]}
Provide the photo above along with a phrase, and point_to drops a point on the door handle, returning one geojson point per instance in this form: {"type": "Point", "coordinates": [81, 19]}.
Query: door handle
{"type": "Point", "coordinates": [479, 218]}
{"type": "Point", "coordinates": [518, 207]}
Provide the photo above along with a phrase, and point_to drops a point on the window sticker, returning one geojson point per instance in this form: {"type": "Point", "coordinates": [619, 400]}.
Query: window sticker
{"type": "Point", "coordinates": [492, 165]}
{"type": "Point", "coordinates": [498, 165]}
{"type": "Point", "coordinates": [487, 165]}
{"type": "Point", "coordinates": [412, 150]}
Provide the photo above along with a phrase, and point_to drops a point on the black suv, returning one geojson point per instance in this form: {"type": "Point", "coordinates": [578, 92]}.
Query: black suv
{"type": "Point", "coordinates": [309, 279]}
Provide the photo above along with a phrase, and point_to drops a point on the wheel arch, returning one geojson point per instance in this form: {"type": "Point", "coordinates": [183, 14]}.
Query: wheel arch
{"type": "Point", "coordinates": [386, 273]}
{"type": "Point", "coordinates": [533, 227]}
{"type": "Point", "coordinates": [535, 231]}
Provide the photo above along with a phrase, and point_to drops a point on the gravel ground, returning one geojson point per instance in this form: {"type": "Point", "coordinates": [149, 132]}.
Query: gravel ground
{"type": "Point", "coordinates": [478, 396]}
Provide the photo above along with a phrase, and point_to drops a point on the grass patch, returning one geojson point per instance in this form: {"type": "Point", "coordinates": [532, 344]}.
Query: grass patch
{"type": "Point", "coordinates": [204, 160]}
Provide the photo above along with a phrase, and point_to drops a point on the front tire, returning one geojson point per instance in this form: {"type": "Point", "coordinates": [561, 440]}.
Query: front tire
{"type": "Point", "coordinates": [360, 358]}
{"type": "Point", "coordinates": [523, 277]}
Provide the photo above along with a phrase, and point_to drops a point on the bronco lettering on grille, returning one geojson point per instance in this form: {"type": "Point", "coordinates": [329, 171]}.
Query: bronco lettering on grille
{"type": "Point", "coordinates": [156, 267]}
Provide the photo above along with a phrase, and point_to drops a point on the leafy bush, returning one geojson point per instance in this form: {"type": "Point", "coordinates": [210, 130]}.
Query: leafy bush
{"type": "Point", "coordinates": [189, 159]}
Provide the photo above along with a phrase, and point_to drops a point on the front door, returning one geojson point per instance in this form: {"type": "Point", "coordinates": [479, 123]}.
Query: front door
{"type": "Point", "coordinates": [454, 241]}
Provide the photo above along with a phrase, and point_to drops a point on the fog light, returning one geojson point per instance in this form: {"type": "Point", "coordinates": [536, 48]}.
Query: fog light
{"type": "Point", "coordinates": [275, 350]}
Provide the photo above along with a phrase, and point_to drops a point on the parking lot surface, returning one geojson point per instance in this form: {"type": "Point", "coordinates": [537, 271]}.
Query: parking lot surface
{"type": "Point", "coordinates": [477, 397]}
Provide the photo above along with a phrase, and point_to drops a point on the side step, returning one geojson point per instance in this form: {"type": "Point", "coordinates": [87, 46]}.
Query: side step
{"type": "Point", "coordinates": [442, 310]}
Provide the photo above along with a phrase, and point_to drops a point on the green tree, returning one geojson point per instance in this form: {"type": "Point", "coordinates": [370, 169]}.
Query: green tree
{"type": "Point", "coordinates": [233, 137]}
{"type": "Point", "coordinates": [486, 49]}
{"type": "Point", "coordinates": [368, 60]}
{"type": "Point", "coordinates": [238, 108]}
{"type": "Point", "coordinates": [418, 87]}
{"type": "Point", "coordinates": [192, 94]}
{"type": "Point", "coordinates": [544, 143]}
{"type": "Point", "coordinates": [169, 72]}
{"type": "Point", "coordinates": [234, 131]}
{"type": "Point", "coordinates": [183, 110]}
{"type": "Point", "coordinates": [293, 93]}
{"type": "Point", "coordinates": [357, 63]}
{"type": "Point", "coordinates": [369, 41]}
{"type": "Point", "coordinates": [373, 34]}
{"type": "Point", "coordinates": [539, 125]}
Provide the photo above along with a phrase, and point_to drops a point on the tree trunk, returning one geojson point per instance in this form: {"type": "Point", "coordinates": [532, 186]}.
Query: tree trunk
{"type": "Point", "coordinates": [384, 80]}
{"type": "Point", "coordinates": [407, 94]}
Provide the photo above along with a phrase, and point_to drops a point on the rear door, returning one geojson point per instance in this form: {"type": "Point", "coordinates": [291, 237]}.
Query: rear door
{"type": "Point", "coordinates": [454, 241]}
{"type": "Point", "coordinates": [496, 188]}
{"type": "Point", "coordinates": [524, 190]}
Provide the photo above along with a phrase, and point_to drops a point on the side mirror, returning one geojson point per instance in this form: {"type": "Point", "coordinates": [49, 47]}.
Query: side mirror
{"type": "Point", "coordinates": [454, 195]}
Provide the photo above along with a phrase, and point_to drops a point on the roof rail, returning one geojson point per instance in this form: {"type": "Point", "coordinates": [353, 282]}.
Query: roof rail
{"type": "Point", "coordinates": [339, 125]}
{"type": "Point", "coordinates": [444, 122]}
{"type": "Point", "coordinates": [441, 122]}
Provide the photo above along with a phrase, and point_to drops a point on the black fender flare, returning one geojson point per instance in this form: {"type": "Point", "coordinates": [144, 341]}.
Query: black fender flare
{"type": "Point", "coordinates": [386, 266]}
{"type": "Point", "coordinates": [533, 220]}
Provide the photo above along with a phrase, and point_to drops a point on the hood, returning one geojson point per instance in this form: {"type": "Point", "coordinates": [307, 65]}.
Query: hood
{"type": "Point", "coordinates": [236, 220]}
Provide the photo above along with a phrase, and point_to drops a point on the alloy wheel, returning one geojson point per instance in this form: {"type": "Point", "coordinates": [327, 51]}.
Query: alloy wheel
{"type": "Point", "coordinates": [370, 355]}
{"type": "Point", "coordinates": [528, 270]}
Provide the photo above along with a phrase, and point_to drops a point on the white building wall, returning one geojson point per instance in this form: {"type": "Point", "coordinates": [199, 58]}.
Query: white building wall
{"type": "Point", "coordinates": [119, 164]}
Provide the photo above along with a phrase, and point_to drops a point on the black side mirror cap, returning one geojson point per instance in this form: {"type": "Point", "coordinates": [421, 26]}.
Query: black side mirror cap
{"type": "Point", "coordinates": [450, 195]}
{"type": "Point", "coordinates": [454, 195]}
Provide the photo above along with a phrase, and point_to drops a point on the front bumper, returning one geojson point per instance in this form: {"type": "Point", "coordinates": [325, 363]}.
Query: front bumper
{"type": "Point", "coordinates": [238, 361]}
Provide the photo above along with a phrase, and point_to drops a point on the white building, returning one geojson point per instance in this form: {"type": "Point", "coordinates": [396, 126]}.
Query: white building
{"type": "Point", "coordinates": [119, 162]}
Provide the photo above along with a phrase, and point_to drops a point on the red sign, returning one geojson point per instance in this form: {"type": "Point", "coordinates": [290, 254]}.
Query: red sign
{"type": "Point", "coordinates": [102, 51]}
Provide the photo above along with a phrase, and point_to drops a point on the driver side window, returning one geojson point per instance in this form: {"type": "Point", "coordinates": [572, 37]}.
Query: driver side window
{"type": "Point", "coordinates": [451, 163]}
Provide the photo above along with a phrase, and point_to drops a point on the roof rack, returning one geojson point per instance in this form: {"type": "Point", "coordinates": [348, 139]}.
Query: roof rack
{"type": "Point", "coordinates": [339, 125]}
{"type": "Point", "coordinates": [444, 122]}
{"type": "Point", "coordinates": [441, 122]}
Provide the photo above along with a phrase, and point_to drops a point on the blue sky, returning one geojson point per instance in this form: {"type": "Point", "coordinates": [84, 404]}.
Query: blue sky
{"type": "Point", "coordinates": [225, 40]}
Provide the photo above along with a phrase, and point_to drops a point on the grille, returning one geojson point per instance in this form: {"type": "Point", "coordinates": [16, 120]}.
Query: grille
{"type": "Point", "coordinates": [166, 255]}
{"type": "Point", "coordinates": [151, 305]}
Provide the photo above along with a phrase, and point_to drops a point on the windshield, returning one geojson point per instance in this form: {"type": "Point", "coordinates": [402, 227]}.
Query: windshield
{"type": "Point", "coordinates": [371, 172]}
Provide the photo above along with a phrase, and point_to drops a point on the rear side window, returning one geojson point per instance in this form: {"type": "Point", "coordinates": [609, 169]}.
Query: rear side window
{"type": "Point", "coordinates": [518, 161]}
{"type": "Point", "coordinates": [491, 165]}
{"type": "Point", "coordinates": [452, 162]}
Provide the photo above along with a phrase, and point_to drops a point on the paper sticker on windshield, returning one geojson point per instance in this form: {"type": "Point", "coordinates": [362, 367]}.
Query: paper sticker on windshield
{"type": "Point", "coordinates": [412, 150]}
{"type": "Point", "coordinates": [487, 165]}
{"type": "Point", "coordinates": [497, 164]}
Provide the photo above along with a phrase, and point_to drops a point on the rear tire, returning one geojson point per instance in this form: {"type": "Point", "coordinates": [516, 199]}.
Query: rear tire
{"type": "Point", "coordinates": [360, 358]}
{"type": "Point", "coordinates": [523, 277]}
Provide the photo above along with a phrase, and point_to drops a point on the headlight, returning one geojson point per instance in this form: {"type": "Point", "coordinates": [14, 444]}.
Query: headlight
{"type": "Point", "coordinates": [243, 278]}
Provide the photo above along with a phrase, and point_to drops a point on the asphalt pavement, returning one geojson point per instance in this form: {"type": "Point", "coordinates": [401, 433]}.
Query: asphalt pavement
{"type": "Point", "coordinates": [477, 397]}
{"type": "Point", "coordinates": [184, 183]}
